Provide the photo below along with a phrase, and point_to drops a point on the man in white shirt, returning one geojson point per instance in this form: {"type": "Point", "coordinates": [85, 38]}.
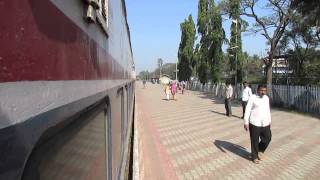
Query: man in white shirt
{"type": "Point", "coordinates": [257, 120]}
{"type": "Point", "coordinates": [227, 101]}
{"type": "Point", "coordinates": [246, 93]}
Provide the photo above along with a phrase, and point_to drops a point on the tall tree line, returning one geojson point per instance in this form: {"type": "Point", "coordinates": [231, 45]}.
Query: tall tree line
{"type": "Point", "coordinates": [212, 36]}
{"type": "Point", "coordinates": [291, 28]}
{"type": "Point", "coordinates": [235, 43]}
{"type": "Point", "coordinates": [301, 40]}
{"type": "Point", "coordinates": [185, 53]}
{"type": "Point", "coordinates": [205, 59]}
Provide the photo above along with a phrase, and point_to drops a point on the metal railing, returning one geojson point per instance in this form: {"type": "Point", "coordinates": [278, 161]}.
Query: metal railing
{"type": "Point", "coordinates": [301, 98]}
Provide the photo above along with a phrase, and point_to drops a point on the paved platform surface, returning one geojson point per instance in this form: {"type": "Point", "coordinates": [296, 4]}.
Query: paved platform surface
{"type": "Point", "coordinates": [191, 138]}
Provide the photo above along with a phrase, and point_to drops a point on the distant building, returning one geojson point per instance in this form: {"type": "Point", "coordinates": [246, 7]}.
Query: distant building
{"type": "Point", "coordinates": [280, 65]}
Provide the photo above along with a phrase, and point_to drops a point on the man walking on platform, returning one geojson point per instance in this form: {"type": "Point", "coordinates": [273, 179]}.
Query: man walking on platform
{"type": "Point", "coordinates": [257, 120]}
{"type": "Point", "coordinates": [227, 101]}
{"type": "Point", "coordinates": [246, 93]}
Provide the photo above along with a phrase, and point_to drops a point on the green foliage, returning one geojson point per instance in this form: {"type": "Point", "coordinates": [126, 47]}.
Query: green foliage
{"type": "Point", "coordinates": [313, 73]}
{"type": "Point", "coordinates": [299, 43]}
{"type": "Point", "coordinates": [203, 72]}
{"type": "Point", "coordinates": [290, 27]}
{"type": "Point", "coordinates": [305, 64]}
{"type": "Point", "coordinates": [252, 66]}
{"type": "Point", "coordinates": [235, 43]}
{"type": "Point", "coordinates": [144, 75]}
{"type": "Point", "coordinates": [185, 53]}
{"type": "Point", "coordinates": [309, 10]}
{"type": "Point", "coordinates": [166, 69]}
{"type": "Point", "coordinates": [212, 36]}
{"type": "Point", "coordinates": [252, 69]}
{"type": "Point", "coordinates": [216, 36]}
{"type": "Point", "coordinates": [195, 59]}
{"type": "Point", "coordinates": [202, 16]}
{"type": "Point", "coordinates": [301, 40]}
{"type": "Point", "coordinates": [271, 25]}
{"type": "Point", "coordinates": [202, 48]}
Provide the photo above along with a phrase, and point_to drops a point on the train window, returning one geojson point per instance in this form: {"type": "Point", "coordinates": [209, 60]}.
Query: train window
{"type": "Point", "coordinates": [75, 152]}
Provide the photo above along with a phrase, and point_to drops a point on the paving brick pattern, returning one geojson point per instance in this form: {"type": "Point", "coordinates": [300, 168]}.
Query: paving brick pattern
{"type": "Point", "coordinates": [191, 138]}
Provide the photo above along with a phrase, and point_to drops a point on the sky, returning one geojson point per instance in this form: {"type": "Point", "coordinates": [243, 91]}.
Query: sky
{"type": "Point", "coordinates": [155, 31]}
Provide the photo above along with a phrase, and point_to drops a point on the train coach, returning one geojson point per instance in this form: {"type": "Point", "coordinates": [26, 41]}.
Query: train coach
{"type": "Point", "coordinates": [66, 90]}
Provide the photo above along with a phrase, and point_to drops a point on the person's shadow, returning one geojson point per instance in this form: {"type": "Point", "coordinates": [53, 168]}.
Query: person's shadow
{"type": "Point", "coordinates": [224, 114]}
{"type": "Point", "coordinates": [234, 148]}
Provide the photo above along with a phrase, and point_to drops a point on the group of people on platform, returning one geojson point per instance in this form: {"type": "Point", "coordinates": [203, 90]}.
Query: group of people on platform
{"type": "Point", "coordinates": [246, 93]}
{"type": "Point", "coordinates": [257, 117]}
{"type": "Point", "coordinates": [255, 112]}
{"type": "Point", "coordinates": [173, 87]}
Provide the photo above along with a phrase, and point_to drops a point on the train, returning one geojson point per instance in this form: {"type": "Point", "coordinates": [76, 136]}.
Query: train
{"type": "Point", "coordinates": [67, 83]}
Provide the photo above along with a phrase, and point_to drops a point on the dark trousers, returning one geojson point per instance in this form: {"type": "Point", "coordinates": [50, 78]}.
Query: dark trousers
{"type": "Point", "coordinates": [244, 105]}
{"type": "Point", "coordinates": [227, 105]}
{"type": "Point", "coordinates": [264, 133]}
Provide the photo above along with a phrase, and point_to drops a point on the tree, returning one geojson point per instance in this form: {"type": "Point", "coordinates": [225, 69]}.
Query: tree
{"type": "Point", "coordinates": [253, 65]}
{"type": "Point", "coordinates": [302, 38]}
{"type": "Point", "coordinates": [235, 44]}
{"type": "Point", "coordinates": [145, 75]}
{"type": "Point", "coordinates": [185, 53]}
{"type": "Point", "coordinates": [211, 38]}
{"type": "Point", "coordinates": [305, 65]}
{"type": "Point", "coordinates": [298, 46]}
{"type": "Point", "coordinates": [195, 60]}
{"type": "Point", "coordinates": [271, 26]}
{"type": "Point", "coordinates": [216, 36]}
{"type": "Point", "coordinates": [309, 11]}
{"type": "Point", "coordinates": [202, 50]}
{"type": "Point", "coordinates": [167, 69]}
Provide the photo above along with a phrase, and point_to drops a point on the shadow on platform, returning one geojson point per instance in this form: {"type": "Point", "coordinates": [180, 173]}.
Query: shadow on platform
{"type": "Point", "coordinates": [224, 114]}
{"type": "Point", "coordinates": [217, 100]}
{"type": "Point", "coordinates": [234, 148]}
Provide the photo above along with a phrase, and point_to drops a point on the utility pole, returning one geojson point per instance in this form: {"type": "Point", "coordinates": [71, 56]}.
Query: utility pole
{"type": "Point", "coordinates": [160, 71]}
{"type": "Point", "coordinates": [177, 70]}
{"type": "Point", "coordinates": [247, 70]}
{"type": "Point", "coordinates": [236, 74]}
{"type": "Point", "coordinates": [160, 62]}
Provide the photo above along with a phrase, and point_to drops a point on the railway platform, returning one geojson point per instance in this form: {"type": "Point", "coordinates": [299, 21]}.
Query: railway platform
{"type": "Point", "coordinates": [191, 138]}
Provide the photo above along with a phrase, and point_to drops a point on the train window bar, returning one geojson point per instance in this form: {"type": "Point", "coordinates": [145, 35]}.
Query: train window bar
{"type": "Point", "coordinates": [97, 10]}
{"type": "Point", "coordinates": [102, 15]}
